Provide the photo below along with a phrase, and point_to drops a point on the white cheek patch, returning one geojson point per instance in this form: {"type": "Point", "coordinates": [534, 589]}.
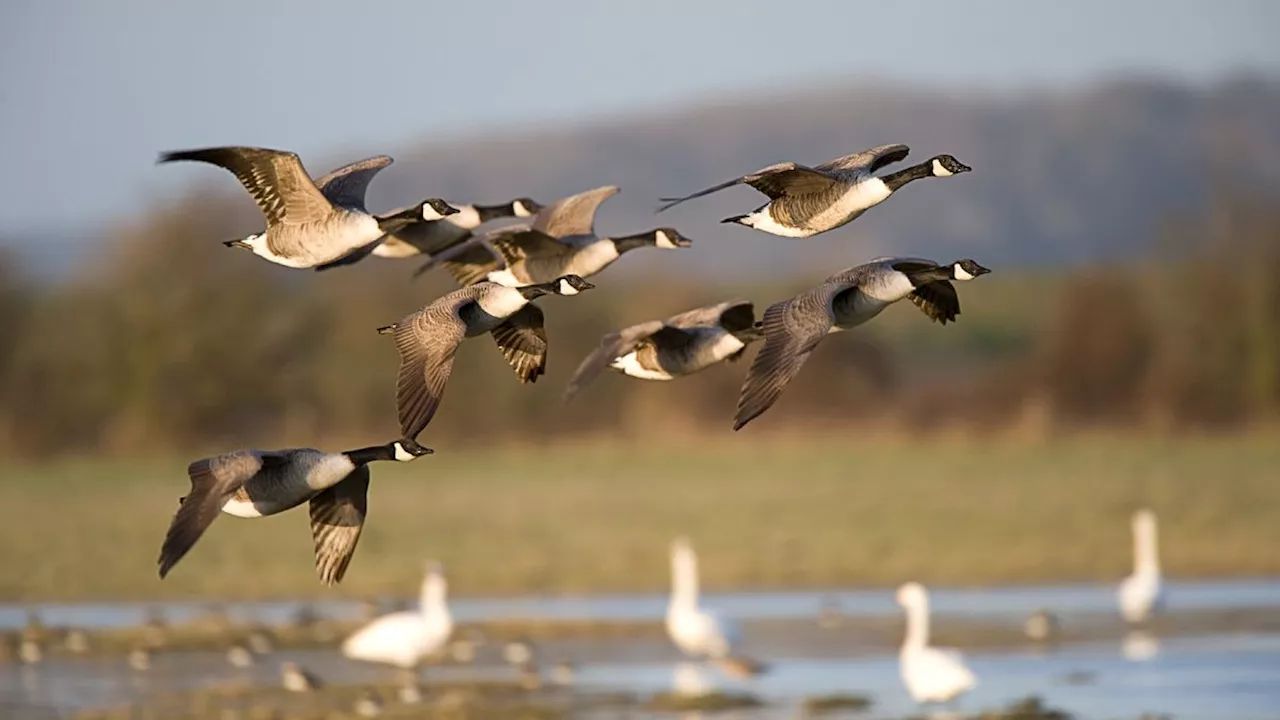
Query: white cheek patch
{"type": "Point", "coordinates": [467, 217]}
{"type": "Point", "coordinates": [960, 272]}
{"type": "Point", "coordinates": [661, 239]}
{"type": "Point", "coordinates": [520, 210]}
{"type": "Point", "coordinates": [940, 171]}
{"type": "Point", "coordinates": [403, 455]}
{"type": "Point", "coordinates": [430, 213]}
{"type": "Point", "coordinates": [566, 289]}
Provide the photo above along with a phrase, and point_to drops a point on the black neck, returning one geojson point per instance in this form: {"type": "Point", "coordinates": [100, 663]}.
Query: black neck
{"type": "Point", "coordinates": [494, 212]}
{"type": "Point", "coordinates": [370, 454]}
{"type": "Point", "coordinates": [396, 221]}
{"type": "Point", "coordinates": [631, 242]}
{"type": "Point", "coordinates": [533, 292]}
{"type": "Point", "coordinates": [906, 175]}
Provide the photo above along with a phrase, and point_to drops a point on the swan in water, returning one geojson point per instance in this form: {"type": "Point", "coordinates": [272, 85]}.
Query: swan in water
{"type": "Point", "coordinates": [697, 632]}
{"type": "Point", "coordinates": [1141, 593]}
{"type": "Point", "coordinates": [403, 639]}
{"type": "Point", "coordinates": [932, 675]}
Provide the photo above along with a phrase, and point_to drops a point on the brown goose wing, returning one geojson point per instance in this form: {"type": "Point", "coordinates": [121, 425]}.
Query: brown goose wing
{"type": "Point", "coordinates": [938, 300]}
{"type": "Point", "coordinates": [346, 186]}
{"type": "Point", "coordinates": [868, 161]}
{"type": "Point", "coordinates": [792, 329]}
{"type": "Point", "coordinates": [275, 178]}
{"type": "Point", "coordinates": [337, 517]}
{"type": "Point", "coordinates": [774, 181]}
{"type": "Point", "coordinates": [427, 342]}
{"type": "Point", "coordinates": [612, 346]}
{"type": "Point", "coordinates": [214, 481]}
{"type": "Point", "coordinates": [574, 215]}
{"type": "Point", "coordinates": [523, 342]}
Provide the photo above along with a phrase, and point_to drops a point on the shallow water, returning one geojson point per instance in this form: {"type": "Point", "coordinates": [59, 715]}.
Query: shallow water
{"type": "Point", "coordinates": [1011, 601]}
{"type": "Point", "coordinates": [1191, 678]}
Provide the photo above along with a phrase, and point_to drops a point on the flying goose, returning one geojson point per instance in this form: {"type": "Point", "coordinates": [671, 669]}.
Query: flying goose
{"type": "Point", "coordinates": [793, 328]}
{"type": "Point", "coordinates": [403, 639]}
{"type": "Point", "coordinates": [308, 228]}
{"type": "Point", "coordinates": [256, 483]}
{"type": "Point", "coordinates": [696, 631]}
{"type": "Point", "coordinates": [1141, 594]}
{"type": "Point", "coordinates": [680, 345]}
{"type": "Point", "coordinates": [932, 675]}
{"type": "Point", "coordinates": [428, 339]}
{"type": "Point", "coordinates": [805, 201]}
{"type": "Point", "coordinates": [434, 236]}
{"type": "Point", "coordinates": [561, 241]}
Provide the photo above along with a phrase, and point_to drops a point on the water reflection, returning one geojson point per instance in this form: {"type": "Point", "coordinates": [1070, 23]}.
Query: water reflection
{"type": "Point", "coordinates": [1139, 646]}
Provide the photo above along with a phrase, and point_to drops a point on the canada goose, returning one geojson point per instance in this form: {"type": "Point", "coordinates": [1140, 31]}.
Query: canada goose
{"type": "Point", "coordinates": [562, 240]}
{"type": "Point", "coordinates": [805, 201]}
{"type": "Point", "coordinates": [696, 631]}
{"type": "Point", "coordinates": [295, 678]}
{"type": "Point", "coordinates": [435, 236]}
{"type": "Point", "coordinates": [368, 704]}
{"type": "Point", "coordinates": [1141, 594]}
{"type": "Point", "coordinates": [1042, 626]}
{"type": "Point", "coordinates": [793, 328]}
{"type": "Point", "coordinates": [428, 339]}
{"type": "Point", "coordinates": [403, 639]}
{"type": "Point", "coordinates": [307, 228]}
{"type": "Point", "coordinates": [680, 345]}
{"type": "Point", "coordinates": [239, 656]}
{"type": "Point", "coordinates": [256, 483]}
{"type": "Point", "coordinates": [932, 675]}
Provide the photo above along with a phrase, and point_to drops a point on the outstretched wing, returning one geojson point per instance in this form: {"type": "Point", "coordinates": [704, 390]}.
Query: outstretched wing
{"type": "Point", "coordinates": [792, 329]}
{"type": "Point", "coordinates": [938, 300]}
{"type": "Point", "coordinates": [427, 342]}
{"type": "Point", "coordinates": [337, 517]}
{"type": "Point", "coordinates": [574, 215]}
{"type": "Point", "coordinates": [612, 346]}
{"type": "Point", "coordinates": [868, 161]}
{"type": "Point", "coordinates": [523, 342]}
{"type": "Point", "coordinates": [346, 186]}
{"type": "Point", "coordinates": [774, 181]}
{"type": "Point", "coordinates": [275, 178]}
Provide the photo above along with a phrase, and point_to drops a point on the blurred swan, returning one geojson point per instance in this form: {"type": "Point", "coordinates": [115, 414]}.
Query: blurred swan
{"type": "Point", "coordinates": [829, 615]}
{"type": "Point", "coordinates": [562, 673]}
{"type": "Point", "coordinates": [1139, 646]}
{"type": "Point", "coordinates": [518, 652]}
{"type": "Point", "coordinates": [29, 651]}
{"type": "Point", "coordinates": [76, 641]}
{"type": "Point", "coordinates": [1141, 593]}
{"type": "Point", "coordinates": [403, 639]}
{"type": "Point", "coordinates": [697, 632]}
{"type": "Point", "coordinates": [932, 675]}
{"type": "Point", "coordinates": [368, 704]}
{"type": "Point", "coordinates": [239, 656]}
{"type": "Point", "coordinates": [140, 659]}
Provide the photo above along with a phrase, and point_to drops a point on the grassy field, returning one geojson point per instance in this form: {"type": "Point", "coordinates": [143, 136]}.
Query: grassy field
{"type": "Point", "coordinates": [773, 514]}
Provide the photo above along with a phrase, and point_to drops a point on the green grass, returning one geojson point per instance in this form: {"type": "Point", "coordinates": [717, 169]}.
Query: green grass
{"type": "Point", "coordinates": [762, 514]}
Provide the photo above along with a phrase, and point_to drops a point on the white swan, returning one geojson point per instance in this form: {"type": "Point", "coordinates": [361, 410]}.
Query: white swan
{"type": "Point", "coordinates": [405, 638]}
{"type": "Point", "coordinates": [932, 675]}
{"type": "Point", "coordinates": [1141, 594]}
{"type": "Point", "coordinates": [697, 632]}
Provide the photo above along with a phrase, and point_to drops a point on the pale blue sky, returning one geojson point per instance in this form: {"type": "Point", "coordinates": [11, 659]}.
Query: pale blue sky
{"type": "Point", "coordinates": [90, 90]}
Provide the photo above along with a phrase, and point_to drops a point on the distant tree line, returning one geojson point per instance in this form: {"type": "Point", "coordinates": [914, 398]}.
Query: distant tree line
{"type": "Point", "coordinates": [172, 343]}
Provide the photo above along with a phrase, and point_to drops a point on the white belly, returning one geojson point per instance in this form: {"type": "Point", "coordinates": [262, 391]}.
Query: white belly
{"type": "Point", "coordinates": [761, 220]}
{"type": "Point", "coordinates": [394, 248]}
{"type": "Point", "coordinates": [724, 345]}
{"type": "Point", "coordinates": [593, 258]}
{"type": "Point", "coordinates": [630, 365]}
{"type": "Point", "coordinates": [241, 508]}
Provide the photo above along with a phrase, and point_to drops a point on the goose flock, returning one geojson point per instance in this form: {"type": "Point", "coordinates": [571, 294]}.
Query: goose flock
{"type": "Point", "coordinates": [325, 223]}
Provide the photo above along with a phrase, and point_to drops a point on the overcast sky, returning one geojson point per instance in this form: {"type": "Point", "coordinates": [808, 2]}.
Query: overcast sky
{"type": "Point", "coordinates": [90, 91]}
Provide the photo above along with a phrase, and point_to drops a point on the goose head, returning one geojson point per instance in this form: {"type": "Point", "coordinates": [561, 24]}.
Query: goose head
{"type": "Point", "coordinates": [966, 269]}
{"type": "Point", "coordinates": [436, 209]}
{"type": "Point", "coordinates": [524, 208]}
{"type": "Point", "coordinates": [669, 239]}
{"type": "Point", "coordinates": [406, 450]}
{"type": "Point", "coordinates": [946, 166]}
